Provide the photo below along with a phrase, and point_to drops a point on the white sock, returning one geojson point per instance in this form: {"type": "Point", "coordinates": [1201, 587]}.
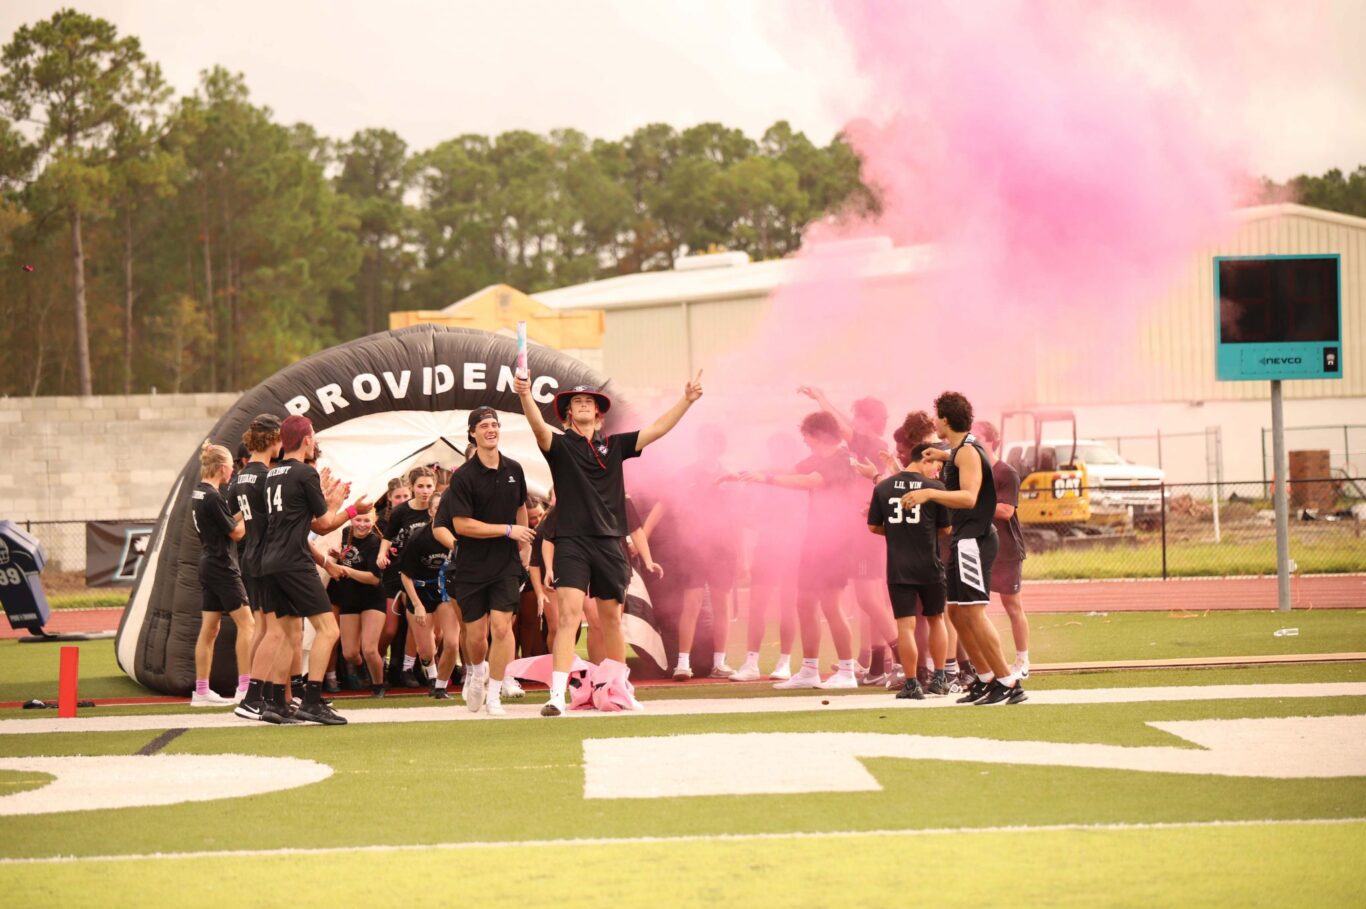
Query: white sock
{"type": "Point", "coordinates": [718, 658]}
{"type": "Point", "coordinates": [811, 663]}
{"type": "Point", "coordinates": [929, 663]}
{"type": "Point", "coordinates": [442, 683]}
{"type": "Point", "coordinates": [752, 658]}
{"type": "Point", "coordinates": [986, 677]}
{"type": "Point", "coordinates": [429, 669]}
{"type": "Point", "coordinates": [1022, 656]}
{"type": "Point", "coordinates": [846, 665]}
{"type": "Point", "coordinates": [331, 676]}
{"type": "Point", "coordinates": [1010, 680]}
{"type": "Point", "coordinates": [785, 659]}
{"type": "Point", "coordinates": [685, 661]}
{"type": "Point", "coordinates": [409, 662]}
{"type": "Point", "coordinates": [495, 690]}
{"type": "Point", "coordinates": [559, 681]}
{"type": "Point", "coordinates": [481, 670]}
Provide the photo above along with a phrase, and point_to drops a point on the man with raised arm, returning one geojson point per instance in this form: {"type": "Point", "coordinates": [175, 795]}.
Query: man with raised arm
{"type": "Point", "coordinates": [586, 468]}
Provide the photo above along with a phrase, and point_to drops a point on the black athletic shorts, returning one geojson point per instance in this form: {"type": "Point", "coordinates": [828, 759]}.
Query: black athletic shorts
{"type": "Point", "coordinates": [223, 595]}
{"type": "Point", "coordinates": [256, 594]}
{"type": "Point", "coordinates": [1006, 575]}
{"type": "Point", "coordinates": [969, 569]}
{"type": "Point", "coordinates": [430, 595]}
{"type": "Point", "coordinates": [477, 601]}
{"type": "Point", "coordinates": [349, 604]}
{"type": "Point", "coordinates": [909, 600]}
{"type": "Point", "coordinates": [820, 569]}
{"type": "Point", "coordinates": [595, 565]}
{"type": "Point", "coordinates": [296, 594]}
{"type": "Point", "coordinates": [713, 567]}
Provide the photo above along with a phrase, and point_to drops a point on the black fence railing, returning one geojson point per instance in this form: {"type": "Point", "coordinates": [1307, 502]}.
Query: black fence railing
{"type": "Point", "coordinates": [1203, 529]}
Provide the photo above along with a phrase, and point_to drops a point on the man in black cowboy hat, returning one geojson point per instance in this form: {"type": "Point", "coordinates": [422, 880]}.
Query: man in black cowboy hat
{"type": "Point", "coordinates": [586, 468]}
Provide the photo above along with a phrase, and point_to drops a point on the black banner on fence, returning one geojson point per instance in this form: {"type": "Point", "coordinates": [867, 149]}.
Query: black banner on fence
{"type": "Point", "coordinates": [114, 551]}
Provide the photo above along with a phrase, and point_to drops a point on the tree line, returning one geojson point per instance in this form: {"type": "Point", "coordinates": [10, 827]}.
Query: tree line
{"type": "Point", "coordinates": [197, 244]}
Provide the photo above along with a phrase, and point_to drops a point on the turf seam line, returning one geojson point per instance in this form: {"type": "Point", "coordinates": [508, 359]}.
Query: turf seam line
{"type": "Point", "coordinates": [683, 838]}
{"type": "Point", "coordinates": [161, 741]}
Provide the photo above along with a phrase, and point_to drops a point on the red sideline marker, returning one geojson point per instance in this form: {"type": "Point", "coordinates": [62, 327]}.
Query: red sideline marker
{"type": "Point", "coordinates": [66, 686]}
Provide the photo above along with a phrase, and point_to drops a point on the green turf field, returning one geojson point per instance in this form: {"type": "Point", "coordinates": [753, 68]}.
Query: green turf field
{"type": "Point", "coordinates": [466, 808]}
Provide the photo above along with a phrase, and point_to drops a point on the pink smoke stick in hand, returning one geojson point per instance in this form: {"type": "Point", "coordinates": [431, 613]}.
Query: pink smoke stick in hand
{"type": "Point", "coordinates": [521, 349]}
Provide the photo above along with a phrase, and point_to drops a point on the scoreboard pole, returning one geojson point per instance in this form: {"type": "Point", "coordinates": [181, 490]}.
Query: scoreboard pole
{"type": "Point", "coordinates": [1280, 498]}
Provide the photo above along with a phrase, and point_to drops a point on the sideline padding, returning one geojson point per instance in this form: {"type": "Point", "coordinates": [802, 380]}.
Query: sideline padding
{"type": "Point", "coordinates": [423, 368]}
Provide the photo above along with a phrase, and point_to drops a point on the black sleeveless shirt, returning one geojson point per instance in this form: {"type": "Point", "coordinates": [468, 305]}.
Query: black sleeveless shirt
{"type": "Point", "coordinates": [976, 521]}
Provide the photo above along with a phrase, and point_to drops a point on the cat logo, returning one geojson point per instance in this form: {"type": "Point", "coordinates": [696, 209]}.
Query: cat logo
{"type": "Point", "coordinates": [1066, 486]}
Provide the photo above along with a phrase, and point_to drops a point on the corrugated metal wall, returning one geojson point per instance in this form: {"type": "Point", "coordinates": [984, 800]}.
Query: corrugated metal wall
{"type": "Point", "coordinates": [1177, 338]}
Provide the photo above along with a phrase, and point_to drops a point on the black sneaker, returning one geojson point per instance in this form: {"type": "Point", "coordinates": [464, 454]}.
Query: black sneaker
{"type": "Point", "coordinates": [406, 679]}
{"type": "Point", "coordinates": [976, 692]}
{"type": "Point", "coordinates": [937, 686]}
{"type": "Point", "coordinates": [331, 686]}
{"type": "Point", "coordinates": [320, 713]}
{"type": "Point", "coordinates": [1016, 695]}
{"type": "Point", "coordinates": [551, 710]}
{"type": "Point", "coordinates": [377, 691]}
{"type": "Point", "coordinates": [458, 676]}
{"type": "Point", "coordinates": [923, 676]}
{"type": "Point", "coordinates": [249, 710]}
{"type": "Point", "coordinates": [274, 715]}
{"type": "Point", "coordinates": [996, 693]}
{"type": "Point", "coordinates": [440, 694]}
{"type": "Point", "coordinates": [911, 691]}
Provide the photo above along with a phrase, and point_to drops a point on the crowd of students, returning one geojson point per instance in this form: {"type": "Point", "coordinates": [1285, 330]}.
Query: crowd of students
{"type": "Point", "coordinates": [452, 572]}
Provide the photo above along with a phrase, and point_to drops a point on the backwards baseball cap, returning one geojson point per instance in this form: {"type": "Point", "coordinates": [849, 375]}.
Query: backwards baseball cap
{"type": "Point", "coordinates": [264, 422]}
{"type": "Point", "coordinates": [563, 398]}
{"type": "Point", "coordinates": [479, 415]}
{"type": "Point", "coordinates": [294, 430]}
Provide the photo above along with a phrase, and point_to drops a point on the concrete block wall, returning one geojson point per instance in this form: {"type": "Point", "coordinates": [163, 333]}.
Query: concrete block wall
{"type": "Point", "coordinates": [98, 458]}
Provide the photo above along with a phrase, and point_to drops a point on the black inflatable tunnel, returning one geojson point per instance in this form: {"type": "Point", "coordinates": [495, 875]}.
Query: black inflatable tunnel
{"type": "Point", "coordinates": [377, 404]}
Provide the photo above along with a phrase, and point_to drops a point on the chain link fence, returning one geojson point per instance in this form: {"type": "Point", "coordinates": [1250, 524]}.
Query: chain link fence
{"type": "Point", "coordinates": [1207, 530]}
{"type": "Point", "coordinates": [64, 543]}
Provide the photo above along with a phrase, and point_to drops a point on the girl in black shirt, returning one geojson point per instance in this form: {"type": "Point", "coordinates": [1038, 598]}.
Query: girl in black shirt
{"type": "Point", "coordinates": [220, 579]}
{"type": "Point", "coordinates": [360, 598]}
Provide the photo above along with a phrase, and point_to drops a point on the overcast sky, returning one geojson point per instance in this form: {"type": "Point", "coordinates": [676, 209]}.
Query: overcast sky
{"type": "Point", "coordinates": [433, 69]}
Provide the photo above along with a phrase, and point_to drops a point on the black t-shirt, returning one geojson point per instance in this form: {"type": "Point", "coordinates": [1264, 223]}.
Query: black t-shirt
{"type": "Point", "coordinates": [544, 531]}
{"type": "Point", "coordinates": [404, 521]}
{"type": "Point", "coordinates": [294, 497]}
{"type": "Point", "coordinates": [590, 492]}
{"type": "Point", "coordinates": [360, 555]}
{"type": "Point", "coordinates": [912, 536]}
{"type": "Point", "coordinates": [493, 496]}
{"type": "Point", "coordinates": [249, 499]}
{"type": "Point", "coordinates": [975, 521]}
{"type": "Point", "coordinates": [830, 504]}
{"type": "Point", "coordinates": [423, 556]}
{"type": "Point", "coordinates": [213, 520]}
{"type": "Point", "coordinates": [867, 448]}
{"type": "Point", "coordinates": [1007, 482]}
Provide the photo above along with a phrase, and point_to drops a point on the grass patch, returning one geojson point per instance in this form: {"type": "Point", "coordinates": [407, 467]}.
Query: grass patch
{"type": "Point", "coordinates": [89, 599]}
{"type": "Point", "coordinates": [1144, 560]}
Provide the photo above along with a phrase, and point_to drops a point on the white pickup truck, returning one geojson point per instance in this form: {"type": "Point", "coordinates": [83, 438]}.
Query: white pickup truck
{"type": "Point", "coordinates": [1115, 484]}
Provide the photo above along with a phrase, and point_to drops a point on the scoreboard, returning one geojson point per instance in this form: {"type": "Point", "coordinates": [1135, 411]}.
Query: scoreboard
{"type": "Point", "coordinates": [1278, 317]}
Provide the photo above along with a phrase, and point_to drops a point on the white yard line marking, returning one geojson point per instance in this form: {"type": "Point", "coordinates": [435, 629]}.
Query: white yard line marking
{"type": "Point", "coordinates": [90, 783]}
{"type": "Point", "coordinates": [698, 706]}
{"type": "Point", "coordinates": [784, 763]}
{"type": "Point", "coordinates": [686, 838]}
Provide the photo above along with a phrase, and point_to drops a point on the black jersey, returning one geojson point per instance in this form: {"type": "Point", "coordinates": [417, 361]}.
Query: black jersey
{"type": "Point", "coordinates": [976, 521]}
{"type": "Point", "coordinates": [213, 521]}
{"type": "Point", "coordinates": [831, 503]}
{"type": "Point", "coordinates": [590, 490]}
{"type": "Point", "coordinates": [912, 533]}
{"type": "Point", "coordinates": [360, 555]}
{"type": "Point", "coordinates": [294, 497]}
{"type": "Point", "coordinates": [249, 499]}
{"type": "Point", "coordinates": [494, 496]}
{"type": "Point", "coordinates": [404, 521]}
{"type": "Point", "coordinates": [1006, 479]}
{"type": "Point", "coordinates": [423, 556]}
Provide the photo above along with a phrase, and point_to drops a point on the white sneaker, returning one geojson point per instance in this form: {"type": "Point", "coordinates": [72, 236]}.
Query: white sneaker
{"type": "Point", "coordinates": [553, 707]}
{"type": "Point", "coordinates": [1020, 668]}
{"type": "Point", "coordinates": [512, 688]}
{"type": "Point", "coordinates": [842, 679]}
{"type": "Point", "coordinates": [211, 699]}
{"type": "Point", "coordinates": [682, 673]}
{"type": "Point", "coordinates": [722, 672]}
{"type": "Point", "coordinates": [636, 705]}
{"type": "Point", "coordinates": [241, 693]}
{"type": "Point", "coordinates": [806, 677]}
{"type": "Point", "coordinates": [781, 673]}
{"type": "Point", "coordinates": [495, 708]}
{"type": "Point", "coordinates": [474, 691]}
{"type": "Point", "coordinates": [746, 673]}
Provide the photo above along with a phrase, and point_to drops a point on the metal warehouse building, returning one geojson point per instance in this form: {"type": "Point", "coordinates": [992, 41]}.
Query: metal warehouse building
{"type": "Point", "coordinates": [659, 326]}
